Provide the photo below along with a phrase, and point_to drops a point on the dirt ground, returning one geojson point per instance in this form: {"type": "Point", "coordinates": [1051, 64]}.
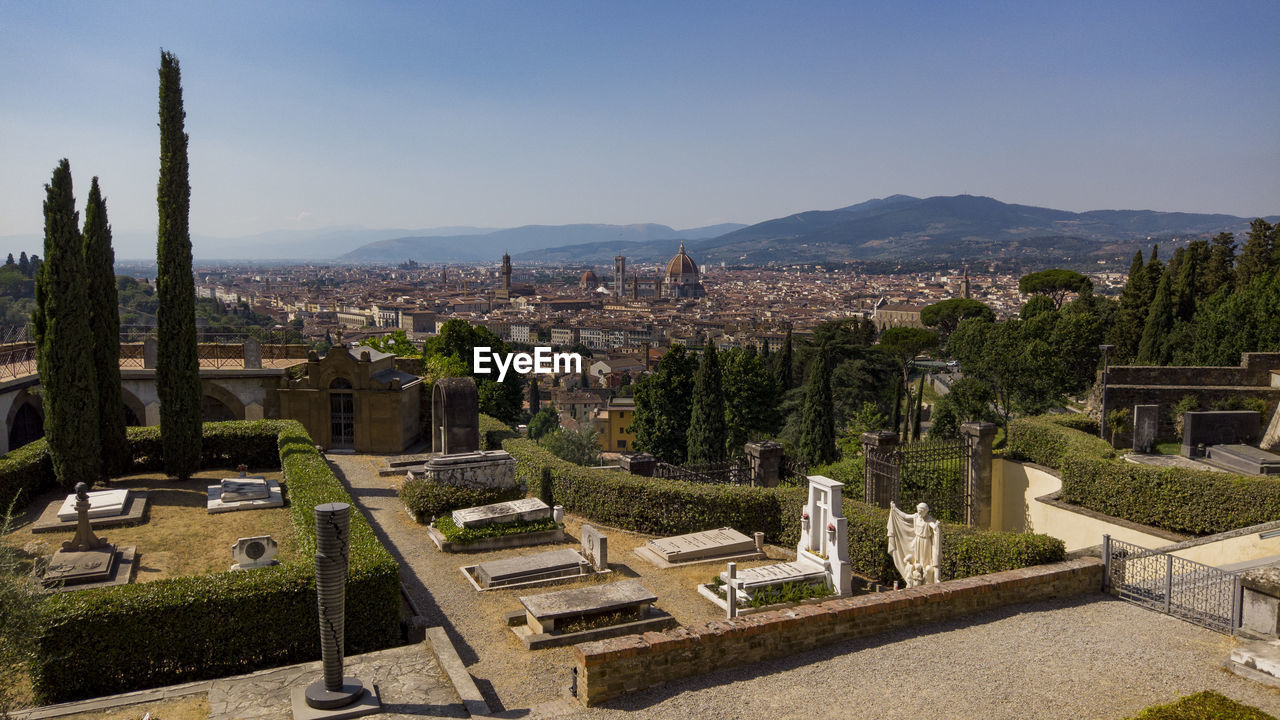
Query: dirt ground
{"type": "Point", "coordinates": [180, 537]}
{"type": "Point", "coordinates": [191, 707]}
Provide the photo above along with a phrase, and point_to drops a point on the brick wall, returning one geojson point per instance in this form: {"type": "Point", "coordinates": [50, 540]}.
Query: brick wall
{"type": "Point", "coordinates": [609, 668]}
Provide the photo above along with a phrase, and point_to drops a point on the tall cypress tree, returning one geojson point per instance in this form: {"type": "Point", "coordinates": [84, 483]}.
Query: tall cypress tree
{"type": "Point", "coordinates": [1153, 350]}
{"type": "Point", "coordinates": [178, 366]}
{"type": "Point", "coordinates": [99, 260]}
{"type": "Point", "coordinates": [535, 396]}
{"type": "Point", "coordinates": [62, 332]}
{"type": "Point", "coordinates": [24, 265]}
{"type": "Point", "coordinates": [1256, 256]}
{"type": "Point", "coordinates": [818, 418]}
{"type": "Point", "coordinates": [707, 426]}
{"type": "Point", "coordinates": [1220, 270]}
{"type": "Point", "coordinates": [784, 365]}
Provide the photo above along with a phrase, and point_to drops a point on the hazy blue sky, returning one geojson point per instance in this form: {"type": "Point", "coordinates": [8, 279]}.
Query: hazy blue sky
{"type": "Point", "coordinates": [305, 115]}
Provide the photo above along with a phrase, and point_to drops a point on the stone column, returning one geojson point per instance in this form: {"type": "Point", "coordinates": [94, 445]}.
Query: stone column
{"type": "Point", "coordinates": [766, 463]}
{"type": "Point", "coordinates": [878, 440]}
{"type": "Point", "coordinates": [978, 437]}
{"type": "Point", "coordinates": [252, 354]}
{"type": "Point", "coordinates": [150, 352]}
{"type": "Point", "coordinates": [639, 464]}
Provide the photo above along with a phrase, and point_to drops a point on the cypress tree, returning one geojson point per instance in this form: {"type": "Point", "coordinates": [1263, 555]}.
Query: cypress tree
{"type": "Point", "coordinates": [1220, 270]}
{"type": "Point", "coordinates": [62, 332]}
{"type": "Point", "coordinates": [178, 366]}
{"type": "Point", "coordinates": [99, 260]}
{"type": "Point", "coordinates": [915, 418]}
{"type": "Point", "coordinates": [1126, 332]}
{"type": "Point", "coordinates": [10, 261]}
{"type": "Point", "coordinates": [818, 418]}
{"type": "Point", "coordinates": [784, 365]}
{"type": "Point", "coordinates": [535, 396]}
{"type": "Point", "coordinates": [24, 265]}
{"type": "Point", "coordinates": [1155, 334]}
{"type": "Point", "coordinates": [1255, 258]}
{"type": "Point", "coordinates": [707, 426]}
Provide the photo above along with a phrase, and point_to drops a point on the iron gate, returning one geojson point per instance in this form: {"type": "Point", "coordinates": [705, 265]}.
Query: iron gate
{"type": "Point", "coordinates": [1197, 593]}
{"type": "Point", "coordinates": [935, 472]}
{"type": "Point", "coordinates": [731, 472]}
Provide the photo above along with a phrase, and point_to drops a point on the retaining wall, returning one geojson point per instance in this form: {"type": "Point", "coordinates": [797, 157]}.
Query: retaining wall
{"type": "Point", "coordinates": [609, 668]}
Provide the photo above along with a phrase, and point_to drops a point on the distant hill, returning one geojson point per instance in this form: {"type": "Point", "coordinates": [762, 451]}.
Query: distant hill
{"type": "Point", "coordinates": [520, 241]}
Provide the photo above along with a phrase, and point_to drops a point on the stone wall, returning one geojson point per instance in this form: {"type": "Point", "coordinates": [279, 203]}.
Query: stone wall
{"type": "Point", "coordinates": [609, 668]}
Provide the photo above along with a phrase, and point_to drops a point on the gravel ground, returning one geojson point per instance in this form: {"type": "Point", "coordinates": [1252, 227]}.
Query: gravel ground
{"type": "Point", "coordinates": [1082, 658]}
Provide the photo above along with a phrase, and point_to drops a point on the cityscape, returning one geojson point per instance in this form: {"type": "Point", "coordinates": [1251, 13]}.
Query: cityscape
{"type": "Point", "coordinates": [567, 360]}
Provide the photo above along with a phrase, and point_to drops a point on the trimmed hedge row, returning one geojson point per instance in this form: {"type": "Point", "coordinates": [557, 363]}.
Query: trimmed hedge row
{"type": "Point", "coordinates": [136, 636]}
{"type": "Point", "coordinates": [1195, 502]}
{"type": "Point", "coordinates": [25, 473]}
{"type": "Point", "coordinates": [493, 432]}
{"type": "Point", "coordinates": [1045, 440]}
{"type": "Point", "coordinates": [427, 500]}
{"type": "Point", "coordinates": [671, 507]}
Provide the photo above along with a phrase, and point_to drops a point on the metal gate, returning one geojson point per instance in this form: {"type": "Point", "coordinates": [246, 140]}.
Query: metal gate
{"type": "Point", "coordinates": [1197, 593]}
{"type": "Point", "coordinates": [936, 473]}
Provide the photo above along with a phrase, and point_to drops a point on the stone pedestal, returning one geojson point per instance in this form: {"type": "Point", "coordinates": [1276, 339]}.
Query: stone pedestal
{"type": "Point", "coordinates": [481, 469]}
{"type": "Point", "coordinates": [1261, 611]}
{"type": "Point", "coordinates": [766, 463]}
{"type": "Point", "coordinates": [1146, 423]}
{"type": "Point", "coordinates": [642, 464]}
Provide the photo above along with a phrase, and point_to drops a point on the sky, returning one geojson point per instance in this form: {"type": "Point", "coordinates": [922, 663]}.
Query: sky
{"type": "Point", "coordinates": [307, 115]}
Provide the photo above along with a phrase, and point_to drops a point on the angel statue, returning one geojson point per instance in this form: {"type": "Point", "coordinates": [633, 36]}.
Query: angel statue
{"type": "Point", "coordinates": [915, 543]}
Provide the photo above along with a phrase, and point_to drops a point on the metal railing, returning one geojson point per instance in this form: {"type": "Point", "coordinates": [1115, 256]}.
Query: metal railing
{"type": "Point", "coordinates": [723, 473]}
{"type": "Point", "coordinates": [1197, 593]}
{"type": "Point", "coordinates": [935, 472]}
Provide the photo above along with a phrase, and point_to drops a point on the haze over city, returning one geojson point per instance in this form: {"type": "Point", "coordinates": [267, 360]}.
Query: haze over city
{"type": "Point", "coordinates": [309, 116]}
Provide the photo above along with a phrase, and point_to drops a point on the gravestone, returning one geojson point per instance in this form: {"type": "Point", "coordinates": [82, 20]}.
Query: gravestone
{"type": "Point", "coordinates": [544, 611]}
{"type": "Point", "coordinates": [254, 552]}
{"type": "Point", "coordinates": [244, 493]}
{"type": "Point", "coordinates": [455, 416]}
{"type": "Point", "coordinates": [102, 503]}
{"type": "Point", "coordinates": [824, 533]}
{"type": "Point", "coordinates": [243, 488]}
{"type": "Point", "coordinates": [523, 509]}
{"type": "Point", "coordinates": [776, 574]}
{"type": "Point", "coordinates": [1218, 427]}
{"type": "Point", "coordinates": [478, 469]}
{"type": "Point", "coordinates": [1146, 422]}
{"type": "Point", "coordinates": [530, 568]}
{"type": "Point", "coordinates": [701, 546]}
{"type": "Point", "coordinates": [595, 547]}
{"type": "Point", "coordinates": [1244, 459]}
{"type": "Point", "coordinates": [87, 560]}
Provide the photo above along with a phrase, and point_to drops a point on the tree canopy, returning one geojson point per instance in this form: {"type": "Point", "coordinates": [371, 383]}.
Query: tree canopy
{"type": "Point", "coordinates": [1055, 284]}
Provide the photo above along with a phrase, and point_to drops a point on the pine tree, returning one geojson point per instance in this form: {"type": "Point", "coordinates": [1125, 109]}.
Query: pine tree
{"type": "Point", "coordinates": [62, 333]}
{"type": "Point", "coordinates": [1220, 270]}
{"type": "Point", "coordinates": [178, 366]}
{"type": "Point", "coordinates": [1256, 256]}
{"type": "Point", "coordinates": [784, 373]}
{"type": "Point", "coordinates": [818, 418]}
{"type": "Point", "coordinates": [10, 261]}
{"type": "Point", "coordinates": [99, 260]}
{"type": "Point", "coordinates": [24, 265]}
{"type": "Point", "coordinates": [707, 426]}
{"type": "Point", "coordinates": [1153, 350]}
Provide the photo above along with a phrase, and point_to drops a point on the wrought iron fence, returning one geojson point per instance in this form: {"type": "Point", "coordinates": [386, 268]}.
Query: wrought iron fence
{"type": "Point", "coordinates": [794, 472]}
{"type": "Point", "coordinates": [732, 472]}
{"type": "Point", "coordinates": [1197, 593]}
{"type": "Point", "coordinates": [930, 472]}
{"type": "Point", "coordinates": [17, 352]}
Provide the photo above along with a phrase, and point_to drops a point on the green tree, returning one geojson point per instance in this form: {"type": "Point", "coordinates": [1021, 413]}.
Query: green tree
{"type": "Point", "coordinates": [1035, 306]}
{"type": "Point", "coordinates": [24, 264]}
{"type": "Point", "coordinates": [396, 342]}
{"type": "Point", "coordinates": [62, 334]}
{"type": "Point", "coordinates": [784, 373]}
{"type": "Point", "coordinates": [903, 344]}
{"type": "Point", "coordinates": [750, 399]}
{"type": "Point", "coordinates": [456, 340]}
{"type": "Point", "coordinates": [1220, 270]}
{"type": "Point", "coordinates": [1257, 257]}
{"type": "Point", "coordinates": [178, 365]}
{"type": "Point", "coordinates": [535, 397]}
{"type": "Point", "coordinates": [968, 400]}
{"type": "Point", "coordinates": [544, 421]}
{"type": "Point", "coordinates": [919, 409]}
{"type": "Point", "coordinates": [946, 315]}
{"type": "Point", "coordinates": [1015, 361]}
{"type": "Point", "coordinates": [99, 260]}
{"type": "Point", "coordinates": [1054, 284]}
{"type": "Point", "coordinates": [1153, 350]}
{"type": "Point", "coordinates": [707, 425]}
{"type": "Point", "coordinates": [818, 421]}
{"type": "Point", "coordinates": [581, 446]}
{"type": "Point", "coordinates": [1126, 332]}
{"type": "Point", "coordinates": [663, 407]}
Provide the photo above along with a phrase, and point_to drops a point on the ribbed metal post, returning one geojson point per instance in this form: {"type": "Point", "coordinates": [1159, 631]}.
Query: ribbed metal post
{"type": "Point", "coordinates": [1106, 562]}
{"type": "Point", "coordinates": [333, 521]}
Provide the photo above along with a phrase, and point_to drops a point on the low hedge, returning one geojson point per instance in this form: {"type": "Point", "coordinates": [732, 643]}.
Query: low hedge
{"type": "Point", "coordinates": [673, 507]}
{"type": "Point", "coordinates": [1204, 705]}
{"type": "Point", "coordinates": [493, 432]}
{"type": "Point", "coordinates": [1045, 440]}
{"type": "Point", "coordinates": [427, 500]}
{"type": "Point", "coordinates": [130, 637]}
{"type": "Point", "coordinates": [25, 473]}
{"type": "Point", "coordinates": [1075, 421]}
{"type": "Point", "coordinates": [1195, 502]}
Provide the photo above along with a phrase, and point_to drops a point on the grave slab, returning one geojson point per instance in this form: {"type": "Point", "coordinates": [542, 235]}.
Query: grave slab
{"type": "Point", "coordinates": [135, 512]}
{"type": "Point", "coordinates": [777, 574]}
{"type": "Point", "coordinates": [526, 568]}
{"type": "Point", "coordinates": [215, 504]}
{"type": "Point", "coordinates": [84, 570]}
{"type": "Point", "coordinates": [244, 488]}
{"type": "Point", "coordinates": [523, 509]}
{"type": "Point", "coordinates": [544, 610]}
{"type": "Point", "coordinates": [102, 503]}
{"type": "Point", "coordinates": [1244, 459]}
{"type": "Point", "coordinates": [717, 545]}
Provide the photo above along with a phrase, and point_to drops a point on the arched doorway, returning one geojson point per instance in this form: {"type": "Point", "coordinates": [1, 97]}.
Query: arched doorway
{"type": "Point", "coordinates": [214, 410]}
{"type": "Point", "coordinates": [342, 406]}
{"type": "Point", "coordinates": [27, 426]}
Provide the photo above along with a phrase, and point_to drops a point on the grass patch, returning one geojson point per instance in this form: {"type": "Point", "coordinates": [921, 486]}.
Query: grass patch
{"type": "Point", "coordinates": [1169, 448]}
{"type": "Point", "coordinates": [465, 536]}
{"type": "Point", "coordinates": [597, 620]}
{"type": "Point", "coordinates": [180, 537]}
{"type": "Point", "coordinates": [190, 707]}
{"type": "Point", "coordinates": [787, 592]}
{"type": "Point", "coordinates": [1206, 705]}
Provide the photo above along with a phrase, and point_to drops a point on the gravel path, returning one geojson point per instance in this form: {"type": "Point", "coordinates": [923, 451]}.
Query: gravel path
{"type": "Point", "coordinates": [1094, 658]}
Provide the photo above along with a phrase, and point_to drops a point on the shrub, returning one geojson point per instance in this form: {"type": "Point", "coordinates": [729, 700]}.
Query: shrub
{"type": "Point", "coordinates": [1075, 421]}
{"type": "Point", "coordinates": [1045, 441]}
{"type": "Point", "coordinates": [967, 552]}
{"type": "Point", "coordinates": [1187, 404]}
{"type": "Point", "coordinates": [25, 473]}
{"type": "Point", "coordinates": [1205, 705]}
{"type": "Point", "coordinates": [136, 636]}
{"type": "Point", "coordinates": [427, 500]}
{"type": "Point", "coordinates": [465, 535]}
{"type": "Point", "coordinates": [580, 447]}
{"type": "Point", "coordinates": [493, 432]}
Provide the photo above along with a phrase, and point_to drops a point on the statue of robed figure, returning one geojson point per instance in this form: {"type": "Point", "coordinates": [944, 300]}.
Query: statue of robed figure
{"type": "Point", "coordinates": [915, 543]}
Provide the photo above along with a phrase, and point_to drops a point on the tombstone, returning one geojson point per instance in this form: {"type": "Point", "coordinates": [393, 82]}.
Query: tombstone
{"type": "Point", "coordinates": [243, 488]}
{"type": "Point", "coordinates": [550, 565]}
{"type": "Point", "coordinates": [1146, 424]}
{"type": "Point", "coordinates": [1218, 427]}
{"type": "Point", "coordinates": [915, 544]}
{"type": "Point", "coordinates": [482, 469]}
{"type": "Point", "coordinates": [543, 612]}
{"type": "Point", "coordinates": [87, 560]}
{"type": "Point", "coordinates": [824, 534]}
{"type": "Point", "coordinates": [254, 552]}
{"type": "Point", "coordinates": [455, 416]}
{"type": "Point", "coordinates": [243, 493]}
{"type": "Point", "coordinates": [526, 509]}
{"type": "Point", "coordinates": [102, 503]}
{"type": "Point", "coordinates": [1243, 459]}
{"type": "Point", "coordinates": [595, 547]}
{"type": "Point", "coordinates": [707, 546]}
{"type": "Point", "coordinates": [642, 464]}
{"type": "Point", "coordinates": [107, 508]}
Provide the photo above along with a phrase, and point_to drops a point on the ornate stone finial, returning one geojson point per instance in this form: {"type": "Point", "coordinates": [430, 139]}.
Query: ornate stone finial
{"type": "Point", "coordinates": [82, 492]}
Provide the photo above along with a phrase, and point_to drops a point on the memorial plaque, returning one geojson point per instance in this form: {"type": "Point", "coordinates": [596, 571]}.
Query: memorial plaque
{"type": "Point", "coordinates": [1146, 425]}
{"type": "Point", "coordinates": [724, 541]}
{"type": "Point", "coordinates": [595, 547]}
{"type": "Point", "coordinates": [777, 574]}
{"type": "Point", "coordinates": [102, 503]}
{"type": "Point", "coordinates": [527, 568]}
{"type": "Point", "coordinates": [239, 489]}
{"type": "Point", "coordinates": [523, 509]}
{"type": "Point", "coordinates": [254, 552]}
{"type": "Point", "coordinates": [75, 568]}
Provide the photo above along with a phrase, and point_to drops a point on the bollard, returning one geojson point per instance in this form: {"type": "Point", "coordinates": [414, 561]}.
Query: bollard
{"type": "Point", "coordinates": [333, 521]}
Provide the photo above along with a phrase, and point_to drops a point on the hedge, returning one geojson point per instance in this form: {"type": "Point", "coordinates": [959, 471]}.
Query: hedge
{"type": "Point", "coordinates": [427, 500]}
{"type": "Point", "coordinates": [493, 432]}
{"type": "Point", "coordinates": [1194, 502]}
{"type": "Point", "coordinates": [672, 507]}
{"type": "Point", "coordinates": [25, 473]}
{"type": "Point", "coordinates": [1045, 440]}
{"type": "Point", "coordinates": [1204, 705]}
{"type": "Point", "coordinates": [136, 636]}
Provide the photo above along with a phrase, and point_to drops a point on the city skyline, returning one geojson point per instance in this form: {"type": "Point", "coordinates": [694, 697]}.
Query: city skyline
{"type": "Point", "coordinates": [309, 117]}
